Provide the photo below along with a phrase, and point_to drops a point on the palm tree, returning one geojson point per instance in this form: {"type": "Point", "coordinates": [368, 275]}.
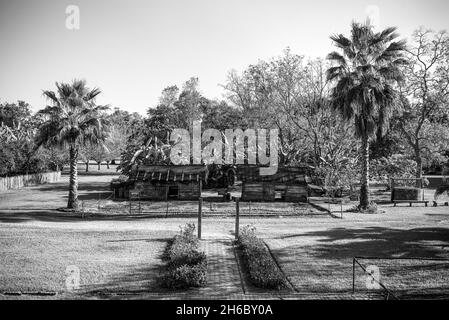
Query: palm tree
{"type": "Point", "coordinates": [364, 76]}
{"type": "Point", "coordinates": [73, 120]}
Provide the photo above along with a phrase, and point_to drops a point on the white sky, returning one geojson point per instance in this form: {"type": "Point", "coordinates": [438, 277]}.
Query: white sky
{"type": "Point", "coordinates": [133, 49]}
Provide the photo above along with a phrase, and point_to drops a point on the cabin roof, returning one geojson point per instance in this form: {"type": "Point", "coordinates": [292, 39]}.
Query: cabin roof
{"type": "Point", "coordinates": [181, 173]}
{"type": "Point", "coordinates": [251, 173]}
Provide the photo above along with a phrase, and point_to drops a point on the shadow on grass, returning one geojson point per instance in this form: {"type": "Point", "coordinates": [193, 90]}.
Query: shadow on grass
{"type": "Point", "coordinates": [345, 243]}
{"type": "Point", "coordinates": [23, 216]}
{"type": "Point", "coordinates": [139, 281]}
{"type": "Point", "coordinates": [91, 191]}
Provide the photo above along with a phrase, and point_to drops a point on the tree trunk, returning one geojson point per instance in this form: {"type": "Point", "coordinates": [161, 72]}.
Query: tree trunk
{"type": "Point", "coordinates": [99, 166]}
{"type": "Point", "coordinates": [73, 181]}
{"type": "Point", "coordinates": [87, 166]}
{"type": "Point", "coordinates": [418, 160]}
{"type": "Point", "coordinates": [107, 164]}
{"type": "Point", "coordinates": [364, 188]}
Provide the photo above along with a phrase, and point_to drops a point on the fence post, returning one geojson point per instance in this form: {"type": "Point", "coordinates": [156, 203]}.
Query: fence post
{"type": "Point", "coordinates": [166, 209]}
{"type": "Point", "coordinates": [200, 214]}
{"type": "Point", "coordinates": [353, 275]}
{"type": "Point", "coordinates": [341, 209]}
{"type": "Point", "coordinates": [237, 217]}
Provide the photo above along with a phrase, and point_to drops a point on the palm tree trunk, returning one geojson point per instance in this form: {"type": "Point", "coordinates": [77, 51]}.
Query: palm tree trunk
{"type": "Point", "coordinates": [73, 180]}
{"type": "Point", "coordinates": [364, 188]}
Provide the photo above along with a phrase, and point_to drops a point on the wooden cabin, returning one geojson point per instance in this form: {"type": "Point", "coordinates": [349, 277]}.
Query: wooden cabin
{"type": "Point", "coordinates": [182, 182]}
{"type": "Point", "coordinates": [287, 184]}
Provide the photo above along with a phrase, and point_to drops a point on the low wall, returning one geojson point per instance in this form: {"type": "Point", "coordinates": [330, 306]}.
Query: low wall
{"type": "Point", "coordinates": [18, 182]}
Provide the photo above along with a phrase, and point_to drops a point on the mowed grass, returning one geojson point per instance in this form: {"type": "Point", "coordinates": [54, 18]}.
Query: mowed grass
{"type": "Point", "coordinates": [319, 258]}
{"type": "Point", "coordinates": [36, 259]}
{"type": "Point", "coordinates": [122, 254]}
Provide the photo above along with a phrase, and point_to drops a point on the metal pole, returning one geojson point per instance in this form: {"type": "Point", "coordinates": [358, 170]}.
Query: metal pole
{"type": "Point", "coordinates": [200, 213]}
{"type": "Point", "coordinates": [237, 217]}
{"type": "Point", "coordinates": [341, 208]}
{"type": "Point", "coordinates": [140, 205]}
{"type": "Point", "coordinates": [166, 211]}
{"type": "Point", "coordinates": [353, 275]}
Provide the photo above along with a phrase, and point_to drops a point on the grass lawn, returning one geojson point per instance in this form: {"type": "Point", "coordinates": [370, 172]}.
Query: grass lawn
{"type": "Point", "coordinates": [35, 259]}
{"type": "Point", "coordinates": [318, 258]}
{"type": "Point", "coordinates": [122, 254]}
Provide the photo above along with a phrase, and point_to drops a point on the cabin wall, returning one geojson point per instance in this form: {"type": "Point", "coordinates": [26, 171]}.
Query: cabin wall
{"type": "Point", "coordinates": [151, 191]}
{"type": "Point", "coordinates": [258, 192]}
{"type": "Point", "coordinates": [189, 191]}
{"type": "Point", "coordinates": [266, 192]}
{"type": "Point", "coordinates": [158, 191]}
{"type": "Point", "coordinates": [296, 193]}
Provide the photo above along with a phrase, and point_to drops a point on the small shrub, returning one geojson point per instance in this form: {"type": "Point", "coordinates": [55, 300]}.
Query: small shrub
{"type": "Point", "coordinates": [371, 209]}
{"type": "Point", "coordinates": [186, 276]}
{"type": "Point", "coordinates": [441, 190]}
{"type": "Point", "coordinates": [186, 265]}
{"type": "Point", "coordinates": [263, 271]}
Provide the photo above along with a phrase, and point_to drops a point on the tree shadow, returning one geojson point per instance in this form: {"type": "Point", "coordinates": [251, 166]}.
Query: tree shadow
{"type": "Point", "coordinates": [126, 284]}
{"type": "Point", "coordinates": [346, 243]}
{"type": "Point", "coordinates": [22, 216]}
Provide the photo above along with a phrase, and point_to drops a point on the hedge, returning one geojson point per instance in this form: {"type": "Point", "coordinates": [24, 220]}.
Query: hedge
{"type": "Point", "coordinates": [262, 269]}
{"type": "Point", "coordinates": [186, 266]}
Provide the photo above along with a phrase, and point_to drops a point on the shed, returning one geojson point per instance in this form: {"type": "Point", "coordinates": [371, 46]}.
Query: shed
{"type": "Point", "coordinates": [288, 184]}
{"type": "Point", "coordinates": [183, 182]}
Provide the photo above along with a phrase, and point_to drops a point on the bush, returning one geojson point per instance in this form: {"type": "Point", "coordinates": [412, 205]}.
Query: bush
{"type": "Point", "coordinates": [186, 265]}
{"type": "Point", "coordinates": [371, 209]}
{"type": "Point", "coordinates": [263, 271]}
{"type": "Point", "coordinates": [186, 276]}
{"type": "Point", "coordinates": [383, 169]}
{"type": "Point", "coordinates": [184, 243]}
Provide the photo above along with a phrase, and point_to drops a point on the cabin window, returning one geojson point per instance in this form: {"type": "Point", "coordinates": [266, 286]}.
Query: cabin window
{"type": "Point", "coordinates": [173, 192]}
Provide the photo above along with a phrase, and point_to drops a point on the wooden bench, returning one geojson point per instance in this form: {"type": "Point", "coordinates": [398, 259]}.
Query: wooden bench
{"type": "Point", "coordinates": [410, 202]}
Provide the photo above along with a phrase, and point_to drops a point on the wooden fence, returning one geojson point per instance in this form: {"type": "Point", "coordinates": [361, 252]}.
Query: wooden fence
{"type": "Point", "coordinates": [18, 182]}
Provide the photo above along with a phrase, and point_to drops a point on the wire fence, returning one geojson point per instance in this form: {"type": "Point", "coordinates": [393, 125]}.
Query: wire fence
{"type": "Point", "coordinates": [402, 277]}
{"type": "Point", "coordinates": [211, 206]}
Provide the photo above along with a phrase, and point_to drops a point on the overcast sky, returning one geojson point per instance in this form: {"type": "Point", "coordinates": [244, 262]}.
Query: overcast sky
{"type": "Point", "coordinates": [132, 49]}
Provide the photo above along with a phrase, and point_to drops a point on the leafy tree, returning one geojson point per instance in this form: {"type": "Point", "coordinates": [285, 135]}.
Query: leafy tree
{"type": "Point", "coordinates": [425, 95]}
{"type": "Point", "coordinates": [364, 76]}
{"type": "Point", "coordinates": [121, 123]}
{"type": "Point", "coordinates": [398, 165]}
{"type": "Point", "coordinates": [14, 115]}
{"type": "Point", "coordinates": [55, 158]}
{"type": "Point", "coordinates": [73, 120]}
{"type": "Point", "coordinates": [292, 95]}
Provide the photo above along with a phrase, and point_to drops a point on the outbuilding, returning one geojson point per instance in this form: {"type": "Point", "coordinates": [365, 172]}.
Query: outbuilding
{"type": "Point", "coordinates": [287, 184]}
{"type": "Point", "coordinates": [160, 182]}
